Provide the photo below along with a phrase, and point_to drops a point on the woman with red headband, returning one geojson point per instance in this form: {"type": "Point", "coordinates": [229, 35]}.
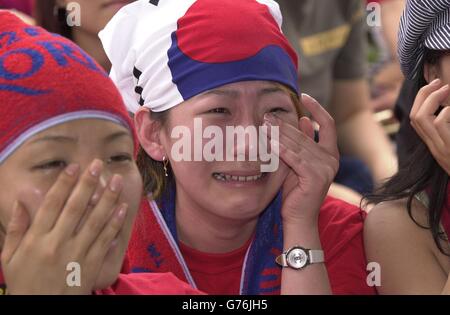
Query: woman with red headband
{"type": "Point", "coordinates": [70, 187]}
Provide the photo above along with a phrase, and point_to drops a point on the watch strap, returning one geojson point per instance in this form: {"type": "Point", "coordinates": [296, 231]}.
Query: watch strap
{"type": "Point", "coordinates": [316, 256]}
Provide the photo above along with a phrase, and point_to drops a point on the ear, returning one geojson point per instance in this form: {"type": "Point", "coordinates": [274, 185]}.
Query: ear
{"type": "Point", "coordinates": [431, 72]}
{"type": "Point", "coordinates": [148, 131]}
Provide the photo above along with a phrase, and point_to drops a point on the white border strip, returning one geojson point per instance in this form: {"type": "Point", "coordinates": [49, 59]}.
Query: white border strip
{"type": "Point", "coordinates": [173, 244]}
{"type": "Point", "coordinates": [241, 289]}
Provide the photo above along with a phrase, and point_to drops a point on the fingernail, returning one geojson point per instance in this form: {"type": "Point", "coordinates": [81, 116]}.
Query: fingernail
{"type": "Point", "coordinates": [114, 243]}
{"type": "Point", "coordinates": [435, 82]}
{"type": "Point", "coordinates": [306, 96]}
{"type": "Point", "coordinates": [122, 212]}
{"type": "Point", "coordinates": [95, 198]}
{"type": "Point", "coordinates": [96, 168]}
{"type": "Point", "coordinates": [116, 183]}
{"type": "Point", "coordinates": [445, 87]}
{"type": "Point", "coordinates": [72, 169]}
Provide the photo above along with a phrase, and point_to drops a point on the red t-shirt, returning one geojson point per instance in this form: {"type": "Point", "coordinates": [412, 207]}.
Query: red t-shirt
{"type": "Point", "coordinates": [149, 284]}
{"type": "Point", "coordinates": [340, 232]}
{"type": "Point", "coordinates": [216, 274]}
{"type": "Point", "coordinates": [139, 284]}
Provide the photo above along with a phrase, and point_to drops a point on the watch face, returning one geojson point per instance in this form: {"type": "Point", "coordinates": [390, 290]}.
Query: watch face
{"type": "Point", "coordinates": [297, 258]}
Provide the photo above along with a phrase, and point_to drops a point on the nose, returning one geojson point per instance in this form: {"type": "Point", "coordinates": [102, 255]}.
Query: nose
{"type": "Point", "coordinates": [246, 138]}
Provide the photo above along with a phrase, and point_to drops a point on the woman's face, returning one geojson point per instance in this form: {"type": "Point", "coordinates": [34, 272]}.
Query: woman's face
{"type": "Point", "coordinates": [207, 185]}
{"type": "Point", "coordinates": [95, 14]}
{"type": "Point", "coordinates": [32, 169]}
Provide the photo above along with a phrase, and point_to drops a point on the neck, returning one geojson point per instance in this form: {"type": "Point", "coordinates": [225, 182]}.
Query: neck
{"type": "Point", "coordinates": [206, 232]}
{"type": "Point", "coordinates": [92, 45]}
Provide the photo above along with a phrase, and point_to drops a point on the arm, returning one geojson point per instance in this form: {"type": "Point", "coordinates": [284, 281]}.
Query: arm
{"type": "Point", "coordinates": [312, 167]}
{"type": "Point", "coordinates": [358, 133]}
{"type": "Point", "coordinates": [391, 11]}
{"type": "Point", "coordinates": [390, 78]}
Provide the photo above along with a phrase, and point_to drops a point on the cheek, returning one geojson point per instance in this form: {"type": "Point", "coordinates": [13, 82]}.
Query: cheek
{"type": "Point", "coordinates": [445, 69]}
{"type": "Point", "coordinates": [32, 197]}
{"type": "Point", "coordinates": [192, 172]}
{"type": "Point", "coordinates": [28, 195]}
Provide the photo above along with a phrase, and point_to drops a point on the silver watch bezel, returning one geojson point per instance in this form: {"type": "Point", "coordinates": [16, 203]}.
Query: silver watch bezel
{"type": "Point", "coordinates": [293, 255]}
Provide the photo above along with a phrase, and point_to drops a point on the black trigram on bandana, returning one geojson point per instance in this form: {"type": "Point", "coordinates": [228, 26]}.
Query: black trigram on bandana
{"type": "Point", "coordinates": [138, 89]}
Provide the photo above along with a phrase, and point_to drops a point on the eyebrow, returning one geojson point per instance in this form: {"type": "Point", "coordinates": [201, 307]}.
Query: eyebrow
{"type": "Point", "coordinates": [271, 90]}
{"type": "Point", "coordinates": [115, 136]}
{"type": "Point", "coordinates": [235, 94]}
{"type": "Point", "coordinates": [107, 139]}
{"type": "Point", "coordinates": [55, 138]}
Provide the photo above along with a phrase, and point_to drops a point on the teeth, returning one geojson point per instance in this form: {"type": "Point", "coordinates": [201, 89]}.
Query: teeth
{"type": "Point", "coordinates": [224, 177]}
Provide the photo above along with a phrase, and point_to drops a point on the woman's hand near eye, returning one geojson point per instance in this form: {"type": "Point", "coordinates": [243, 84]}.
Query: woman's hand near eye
{"type": "Point", "coordinates": [434, 130]}
{"type": "Point", "coordinates": [36, 255]}
{"type": "Point", "coordinates": [313, 166]}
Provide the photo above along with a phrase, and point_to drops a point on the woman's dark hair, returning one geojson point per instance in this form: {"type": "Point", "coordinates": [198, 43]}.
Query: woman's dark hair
{"type": "Point", "coordinates": [52, 17]}
{"type": "Point", "coordinates": [419, 171]}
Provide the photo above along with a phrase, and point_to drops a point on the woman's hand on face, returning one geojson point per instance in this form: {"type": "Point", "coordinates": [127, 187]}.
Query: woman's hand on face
{"type": "Point", "coordinates": [67, 228]}
{"type": "Point", "coordinates": [434, 130]}
{"type": "Point", "coordinates": [313, 166]}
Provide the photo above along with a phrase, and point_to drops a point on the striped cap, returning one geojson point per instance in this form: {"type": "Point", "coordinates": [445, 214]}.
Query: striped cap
{"type": "Point", "coordinates": [165, 52]}
{"type": "Point", "coordinates": [424, 24]}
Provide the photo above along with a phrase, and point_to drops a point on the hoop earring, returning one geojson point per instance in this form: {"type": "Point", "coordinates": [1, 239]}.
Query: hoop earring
{"type": "Point", "coordinates": [165, 163]}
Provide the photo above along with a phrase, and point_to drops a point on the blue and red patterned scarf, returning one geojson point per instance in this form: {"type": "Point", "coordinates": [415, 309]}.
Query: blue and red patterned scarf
{"type": "Point", "coordinates": [156, 227]}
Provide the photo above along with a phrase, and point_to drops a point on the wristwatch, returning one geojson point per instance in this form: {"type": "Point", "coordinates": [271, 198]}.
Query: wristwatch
{"type": "Point", "coordinates": [298, 257]}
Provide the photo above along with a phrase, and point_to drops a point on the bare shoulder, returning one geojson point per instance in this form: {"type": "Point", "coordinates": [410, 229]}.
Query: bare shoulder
{"type": "Point", "coordinates": [393, 215]}
{"type": "Point", "coordinates": [395, 239]}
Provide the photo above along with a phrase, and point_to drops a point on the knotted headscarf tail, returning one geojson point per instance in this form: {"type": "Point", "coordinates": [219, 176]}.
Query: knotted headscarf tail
{"type": "Point", "coordinates": [46, 80]}
{"type": "Point", "coordinates": [424, 24]}
{"type": "Point", "coordinates": [165, 52]}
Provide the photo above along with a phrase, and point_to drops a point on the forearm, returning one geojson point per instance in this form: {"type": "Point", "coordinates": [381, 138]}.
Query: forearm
{"type": "Point", "coordinates": [391, 12]}
{"type": "Point", "coordinates": [361, 136]}
{"type": "Point", "coordinates": [314, 278]}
